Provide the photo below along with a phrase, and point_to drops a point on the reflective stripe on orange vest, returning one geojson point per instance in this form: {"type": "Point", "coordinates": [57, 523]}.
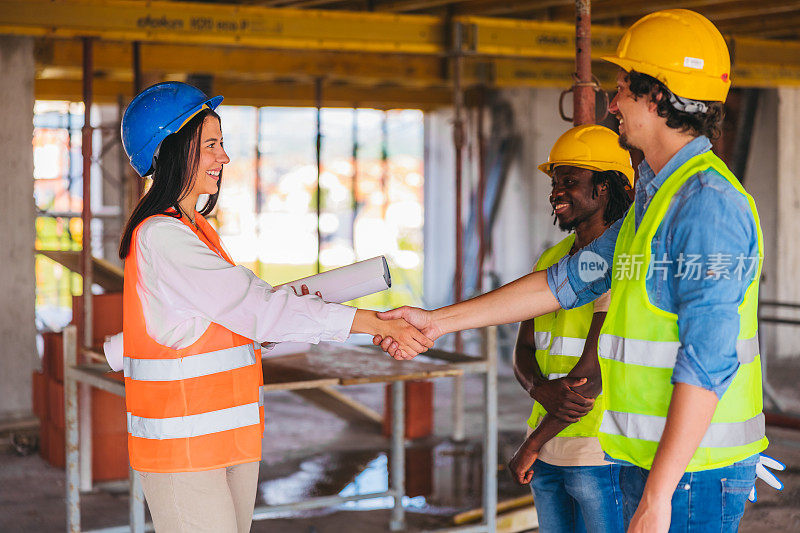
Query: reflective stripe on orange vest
{"type": "Point", "coordinates": [191, 366]}
{"type": "Point", "coordinates": [183, 427]}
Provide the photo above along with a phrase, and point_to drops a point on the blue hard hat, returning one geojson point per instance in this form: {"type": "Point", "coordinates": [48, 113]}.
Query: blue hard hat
{"type": "Point", "coordinates": [156, 112]}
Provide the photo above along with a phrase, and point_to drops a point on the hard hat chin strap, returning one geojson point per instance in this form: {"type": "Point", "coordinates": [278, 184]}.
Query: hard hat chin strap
{"type": "Point", "coordinates": [687, 105]}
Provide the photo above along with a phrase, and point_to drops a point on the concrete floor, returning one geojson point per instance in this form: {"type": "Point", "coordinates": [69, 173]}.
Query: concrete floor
{"type": "Point", "coordinates": [308, 452]}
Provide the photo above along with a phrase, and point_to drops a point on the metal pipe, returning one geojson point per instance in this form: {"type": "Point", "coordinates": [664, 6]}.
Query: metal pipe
{"type": "Point", "coordinates": [779, 304]}
{"type": "Point", "coordinates": [490, 433]}
{"type": "Point", "coordinates": [583, 92]}
{"type": "Point", "coordinates": [458, 145]}
{"type": "Point", "coordinates": [86, 212]}
{"type": "Point", "coordinates": [782, 420]}
{"type": "Point", "coordinates": [71, 422]}
{"type": "Point", "coordinates": [136, 64]}
{"type": "Point", "coordinates": [97, 380]}
{"type": "Point", "coordinates": [257, 187]}
{"type": "Point", "coordinates": [459, 415]}
{"type": "Point", "coordinates": [385, 163]}
{"type": "Point", "coordinates": [136, 509]}
{"type": "Point", "coordinates": [398, 520]}
{"type": "Point", "coordinates": [85, 406]}
{"type": "Point", "coordinates": [481, 187]}
{"type": "Point", "coordinates": [354, 183]}
{"type": "Point", "coordinates": [318, 100]}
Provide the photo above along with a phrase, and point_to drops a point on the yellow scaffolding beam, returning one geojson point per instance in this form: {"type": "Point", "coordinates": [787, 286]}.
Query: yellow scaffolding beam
{"type": "Point", "coordinates": [265, 94]}
{"type": "Point", "coordinates": [261, 43]}
{"type": "Point", "coordinates": [62, 59]}
{"type": "Point", "coordinates": [522, 38]}
{"type": "Point", "coordinates": [185, 22]}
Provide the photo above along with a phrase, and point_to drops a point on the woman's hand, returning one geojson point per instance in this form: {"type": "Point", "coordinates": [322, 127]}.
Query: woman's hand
{"type": "Point", "coordinates": [304, 291]}
{"type": "Point", "coordinates": [410, 341]}
{"type": "Point", "coordinates": [420, 318]}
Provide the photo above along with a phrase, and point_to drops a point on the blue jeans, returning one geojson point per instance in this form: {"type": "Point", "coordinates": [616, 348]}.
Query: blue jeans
{"type": "Point", "coordinates": [704, 502]}
{"type": "Point", "coordinates": [577, 499]}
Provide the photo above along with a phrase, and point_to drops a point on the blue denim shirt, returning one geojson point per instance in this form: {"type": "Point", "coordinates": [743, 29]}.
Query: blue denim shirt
{"type": "Point", "coordinates": [707, 217]}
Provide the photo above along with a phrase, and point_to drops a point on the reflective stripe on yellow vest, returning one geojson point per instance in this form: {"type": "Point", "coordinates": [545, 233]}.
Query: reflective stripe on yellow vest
{"type": "Point", "coordinates": [639, 343]}
{"type": "Point", "coordinates": [196, 408]}
{"type": "Point", "coordinates": [559, 338]}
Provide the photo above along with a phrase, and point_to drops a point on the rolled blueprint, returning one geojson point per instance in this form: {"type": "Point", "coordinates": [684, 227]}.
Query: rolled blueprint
{"type": "Point", "coordinates": [348, 282]}
{"type": "Point", "coordinates": [338, 285]}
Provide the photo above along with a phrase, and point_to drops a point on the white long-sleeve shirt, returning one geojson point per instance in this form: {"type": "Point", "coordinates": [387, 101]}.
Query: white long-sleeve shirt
{"type": "Point", "coordinates": [184, 286]}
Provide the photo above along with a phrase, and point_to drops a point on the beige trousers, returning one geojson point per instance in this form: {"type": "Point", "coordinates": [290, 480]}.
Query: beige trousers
{"type": "Point", "coordinates": [213, 501]}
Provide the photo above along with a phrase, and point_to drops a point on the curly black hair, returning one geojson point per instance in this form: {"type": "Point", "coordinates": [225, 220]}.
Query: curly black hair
{"type": "Point", "coordinates": [619, 199]}
{"type": "Point", "coordinates": [708, 123]}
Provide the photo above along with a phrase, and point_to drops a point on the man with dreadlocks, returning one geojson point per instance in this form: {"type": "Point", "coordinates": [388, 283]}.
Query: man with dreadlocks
{"type": "Point", "coordinates": [575, 488]}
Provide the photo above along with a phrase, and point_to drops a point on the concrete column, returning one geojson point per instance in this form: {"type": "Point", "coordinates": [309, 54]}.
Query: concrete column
{"type": "Point", "coordinates": [17, 282]}
{"type": "Point", "coordinates": [761, 181]}
{"type": "Point", "coordinates": [440, 211]}
{"type": "Point", "coordinates": [525, 223]}
{"type": "Point", "coordinates": [524, 226]}
{"type": "Point", "coordinates": [788, 212]}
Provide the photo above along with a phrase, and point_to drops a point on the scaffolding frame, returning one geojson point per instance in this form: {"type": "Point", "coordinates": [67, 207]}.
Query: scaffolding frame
{"type": "Point", "coordinates": [78, 438]}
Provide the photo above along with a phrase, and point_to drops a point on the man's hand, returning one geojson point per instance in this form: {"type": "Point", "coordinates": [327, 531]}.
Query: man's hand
{"type": "Point", "coordinates": [521, 465]}
{"type": "Point", "coordinates": [651, 516]}
{"type": "Point", "coordinates": [419, 318]}
{"type": "Point", "coordinates": [559, 398]}
{"type": "Point", "coordinates": [410, 341]}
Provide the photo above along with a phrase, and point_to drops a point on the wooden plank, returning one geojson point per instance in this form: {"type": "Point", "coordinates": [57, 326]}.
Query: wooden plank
{"type": "Point", "coordinates": [278, 377]}
{"type": "Point", "coordinates": [518, 520]}
{"type": "Point", "coordinates": [474, 515]}
{"type": "Point", "coordinates": [350, 365]}
{"type": "Point", "coordinates": [105, 274]}
{"type": "Point", "coordinates": [341, 405]}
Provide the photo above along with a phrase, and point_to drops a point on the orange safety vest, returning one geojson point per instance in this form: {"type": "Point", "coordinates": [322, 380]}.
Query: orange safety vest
{"type": "Point", "coordinates": [196, 408]}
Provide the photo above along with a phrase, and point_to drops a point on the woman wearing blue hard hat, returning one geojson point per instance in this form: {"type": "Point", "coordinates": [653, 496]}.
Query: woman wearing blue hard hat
{"type": "Point", "coordinates": [193, 324]}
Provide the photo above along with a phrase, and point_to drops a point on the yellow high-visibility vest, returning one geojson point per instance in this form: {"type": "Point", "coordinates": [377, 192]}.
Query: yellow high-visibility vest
{"type": "Point", "coordinates": [559, 338]}
{"type": "Point", "coordinates": [639, 344]}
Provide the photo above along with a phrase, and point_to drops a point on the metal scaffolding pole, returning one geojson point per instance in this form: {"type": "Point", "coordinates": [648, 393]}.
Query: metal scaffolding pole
{"type": "Point", "coordinates": [398, 520]}
{"type": "Point", "coordinates": [583, 97]}
{"type": "Point", "coordinates": [85, 412]}
{"type": "Point", "coordinates": [481, 188]}
{"type": "Point", "coordinates": [354, 183]}
{"type": "Point", "coordinates": [458, 145]}
{"type": "Point", "coordinates": [318, 100]}
{"type": "Point", "coordinates": [385, 163]}
{"type": "Point", "coordinates": [257, 186]}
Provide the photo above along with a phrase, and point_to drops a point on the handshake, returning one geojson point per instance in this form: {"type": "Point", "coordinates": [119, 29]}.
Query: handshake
{"type": "Point", "coordinates": [406, 332]}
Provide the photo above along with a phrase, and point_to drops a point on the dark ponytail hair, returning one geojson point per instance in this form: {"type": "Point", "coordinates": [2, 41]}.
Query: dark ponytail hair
{"type": "Point", "coordinates": [174, 168]}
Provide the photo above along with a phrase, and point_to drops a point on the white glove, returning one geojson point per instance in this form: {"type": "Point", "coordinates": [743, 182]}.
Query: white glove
{"type": "Point", "coordinates": [764, 462]}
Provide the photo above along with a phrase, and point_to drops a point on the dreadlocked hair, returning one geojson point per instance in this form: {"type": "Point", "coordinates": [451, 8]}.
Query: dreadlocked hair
{"type": "Point", "coordinates": [708, 123]}
{"type": "Point", "coordinates": [619, 199]}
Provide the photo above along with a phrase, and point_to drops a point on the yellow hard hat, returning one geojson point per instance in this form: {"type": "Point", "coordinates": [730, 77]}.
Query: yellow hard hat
{"type": "Point", "coordinates": [681, 49]}
{"type": "Point", "coordinates": [592, 147]}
